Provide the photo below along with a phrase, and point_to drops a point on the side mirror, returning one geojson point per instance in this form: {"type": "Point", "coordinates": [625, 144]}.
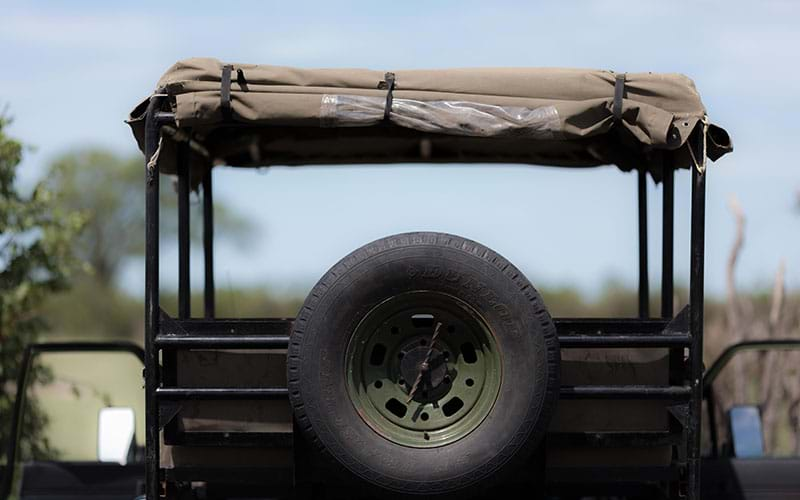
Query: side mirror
{"type": "Point", "coordinates": [746, 436]}
{"type": "Point", "coordinates": [115, 433]}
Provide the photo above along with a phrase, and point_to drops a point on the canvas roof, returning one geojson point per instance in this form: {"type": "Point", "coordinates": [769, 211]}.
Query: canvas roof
{"type": "Point", "coordinates": [549, 116]}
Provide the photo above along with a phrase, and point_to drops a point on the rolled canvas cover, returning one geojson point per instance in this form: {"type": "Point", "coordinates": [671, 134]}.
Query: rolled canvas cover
{"type": "Point", "coordinates": [258, 115]}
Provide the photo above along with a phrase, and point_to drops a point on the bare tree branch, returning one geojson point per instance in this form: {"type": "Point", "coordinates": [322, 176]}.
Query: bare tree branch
{"type": "Point", "coordinates": [734, 309]}
{"type": "Point", "coordinates": [772, 362]}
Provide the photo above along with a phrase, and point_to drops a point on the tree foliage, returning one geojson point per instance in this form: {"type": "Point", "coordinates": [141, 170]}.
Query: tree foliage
{"type": "Point", "coordinates": [109, 188]}
{"type": "Point", "coordinates": [36, 260]}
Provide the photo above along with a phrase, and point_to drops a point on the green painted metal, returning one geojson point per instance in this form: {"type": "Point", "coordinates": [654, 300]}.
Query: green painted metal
{"type": "Point", "coordinates": [385, 356]}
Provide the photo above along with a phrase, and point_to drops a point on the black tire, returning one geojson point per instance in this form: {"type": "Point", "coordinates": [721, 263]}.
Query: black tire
{"type": "Point", "coordinates": [511, 308]}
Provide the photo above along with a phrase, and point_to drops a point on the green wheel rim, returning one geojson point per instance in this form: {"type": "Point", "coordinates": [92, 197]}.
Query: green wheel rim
{"type": "Point", "coordinates": [385, 356]}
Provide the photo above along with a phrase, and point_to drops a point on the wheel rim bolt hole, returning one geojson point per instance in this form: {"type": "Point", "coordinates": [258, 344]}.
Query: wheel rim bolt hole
{"type": "Point", "coordinates": [470, 382]}
{"type": "Point", "coordinates": [401, 381]}
{"type": "Point", "coordinates": [424, 416]}
{"type": "Point", "coordinates": [378, 384]}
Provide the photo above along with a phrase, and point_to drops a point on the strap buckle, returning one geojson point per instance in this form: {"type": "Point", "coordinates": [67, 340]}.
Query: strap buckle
{"type": "Point", "coordinates": [388, 84]}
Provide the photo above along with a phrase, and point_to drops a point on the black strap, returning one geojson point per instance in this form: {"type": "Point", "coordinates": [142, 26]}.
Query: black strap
{"type": "Point", "coordinates": [225, 92]}
{"type": "Point", "coordinates": [389, 81]}
{"type": "Point", "coordinates": [619, 93]}
{"type": "Point", "coordinates": [241, 80]}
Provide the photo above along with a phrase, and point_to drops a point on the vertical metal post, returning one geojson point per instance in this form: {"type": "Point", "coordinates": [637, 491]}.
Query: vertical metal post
{"type": "Point", "coordinates": [151, 302]}
{"type": "Point", "coordinates": [169, 357]}
{"type": "Point", "coordinates": [644, 282]}
{"type": "Point", "coordinates": [184, 291]}
{"type": "Point", "coordinates": [696, 325]}
{"type": "Point", "coordinates": [711, 407]}
{"type": "Point", "coordinates": [677, 356]}
{"type": "Point", "coordinates": [208, 246]}
{"type": "Point", "coordinates": [15, 433]}
{"type": "Point", "coordinates": [667, 240]}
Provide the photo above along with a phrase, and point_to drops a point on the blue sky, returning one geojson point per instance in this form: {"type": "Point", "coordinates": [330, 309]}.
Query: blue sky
{"type": "Point", "coordinates": [72, 71]}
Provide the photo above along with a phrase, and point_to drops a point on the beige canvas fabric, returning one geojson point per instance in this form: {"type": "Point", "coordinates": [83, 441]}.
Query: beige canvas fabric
{"type": "Point", "coordinates": [549, 116]}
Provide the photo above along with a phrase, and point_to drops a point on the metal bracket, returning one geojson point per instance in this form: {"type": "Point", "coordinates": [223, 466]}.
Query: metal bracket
{"type": "Point", "coordinates": [681, 413]}
{"type": "Point", "coordinates": [700, 165]}
{"type": "Point", "coordinates": [168, 326]}
{"type": "Point", "coordinates": [679, 324]}
{"type": "Point", "coordinates": [167, 411]}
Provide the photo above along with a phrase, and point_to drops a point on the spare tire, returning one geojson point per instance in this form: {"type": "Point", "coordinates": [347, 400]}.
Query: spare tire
{"type": "Point", "coordinates": [424, 363]}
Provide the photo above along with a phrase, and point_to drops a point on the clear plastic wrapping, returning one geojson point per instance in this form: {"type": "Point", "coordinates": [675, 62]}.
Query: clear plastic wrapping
{"type": "Point", "coordinates": [445, 117]}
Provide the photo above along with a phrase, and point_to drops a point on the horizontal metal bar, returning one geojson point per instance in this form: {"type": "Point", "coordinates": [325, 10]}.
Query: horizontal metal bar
{"type": "Point", "coordinates": [624, 340]}
{"type": "Point", "coordinates": [609, 326]}
{"type": "Point", "coordinates": [670, 392]}
{"type": "Point", "coordinates": [235, 439]}
{"type": "Point", "coordinates": [274, 333]}
{"type": "Point", "coordinates": [272, 476]}
{"type": "Point", "coordinates": [224, 341]}
{"type": "Point", "coordinates": [283, 326]}
{"type": "Point", "coordinates": [221, 327]}
{"type": "Point", "coordinates": [606, 474]}
{"type": "Point", "coordinates": [748, 345]}
{"type": "Point", "coordinates": [615, 439]}
{"type": "Point", "coordinates": [220, 393]}
{"type": "Point", "coordinates": [90, 346]}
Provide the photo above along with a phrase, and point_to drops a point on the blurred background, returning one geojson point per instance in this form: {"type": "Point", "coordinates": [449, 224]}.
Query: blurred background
{"type": "Point", "coordinates": [72, 71]}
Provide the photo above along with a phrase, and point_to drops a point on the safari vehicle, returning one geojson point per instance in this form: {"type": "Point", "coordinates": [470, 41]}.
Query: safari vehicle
{"type": "Point", "coordinates": [423, 363]}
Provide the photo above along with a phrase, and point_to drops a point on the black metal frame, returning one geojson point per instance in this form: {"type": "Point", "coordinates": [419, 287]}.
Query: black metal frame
{"type": "Point", "coordinates": [682, 335]}
{"type": "Point", "coordinates": [31, 351]}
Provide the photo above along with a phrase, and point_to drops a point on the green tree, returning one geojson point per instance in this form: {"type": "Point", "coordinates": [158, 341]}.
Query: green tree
{"type": "Point", "coordinates": [110, 189]}
{"type": "Point", "coordinates": [36, 261]}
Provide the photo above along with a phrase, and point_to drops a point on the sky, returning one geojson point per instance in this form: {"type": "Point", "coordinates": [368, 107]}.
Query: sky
{"type": "Point", "coordinates": [73, 70]}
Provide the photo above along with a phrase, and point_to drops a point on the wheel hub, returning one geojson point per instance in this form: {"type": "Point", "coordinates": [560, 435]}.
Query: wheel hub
{"type": "Point", "coordinates": [413, 363]}
{"type": "Point", "coordinates": [423, 369]}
